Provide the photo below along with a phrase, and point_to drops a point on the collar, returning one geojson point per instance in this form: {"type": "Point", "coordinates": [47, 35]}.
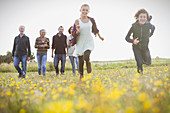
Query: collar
{"type": "Point", "coordinates": [58, 34]}
{"type": "Point", "coordinates": [22, 36]}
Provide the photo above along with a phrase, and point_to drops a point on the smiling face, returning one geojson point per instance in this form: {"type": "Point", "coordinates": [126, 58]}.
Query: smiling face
{"type": "Point", "coordinates": [85, 10]}
{"type": "Point", "coordinates": [142, 18]}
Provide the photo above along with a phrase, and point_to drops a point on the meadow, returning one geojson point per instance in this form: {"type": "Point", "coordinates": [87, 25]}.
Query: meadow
{"type": "Point", "coordinates": [112, 87]}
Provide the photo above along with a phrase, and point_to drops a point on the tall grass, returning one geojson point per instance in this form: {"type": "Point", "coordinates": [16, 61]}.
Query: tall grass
{"type": "Point", "coordinates": [33, 66]}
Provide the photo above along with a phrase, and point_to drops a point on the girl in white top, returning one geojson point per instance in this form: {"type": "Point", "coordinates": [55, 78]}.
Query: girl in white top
{"type": "Point", "coordinates": [85, 42]}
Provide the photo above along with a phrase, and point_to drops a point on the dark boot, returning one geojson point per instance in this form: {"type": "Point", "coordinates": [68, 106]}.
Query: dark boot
{"type": "Point", "coordinates": [57, 74]}
{"type": "Point", "coordinates": [140, 70]}
{"type": "Point", "coordinates": [20, 75]}
{"type": "Point", "coordinates": [81, 76]}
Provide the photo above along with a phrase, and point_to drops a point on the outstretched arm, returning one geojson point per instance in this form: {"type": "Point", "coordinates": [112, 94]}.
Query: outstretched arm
{"type": "Point", "coordinates": [100, 36]}
{"type": "Point", "coordinates": [95, 29]}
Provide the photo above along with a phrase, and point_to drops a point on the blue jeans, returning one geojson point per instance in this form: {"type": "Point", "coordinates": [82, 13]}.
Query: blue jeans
{"type": "Point", "coordinates": [73, 64]}
{"type": "Point", "coordinates": [22, 59]}
{"type": "Point", "coordinates": [42, 59]}
{"type": "Point", "coordinates": [77, 62]}
{"type": "Point", "coordinates": [57, 58]}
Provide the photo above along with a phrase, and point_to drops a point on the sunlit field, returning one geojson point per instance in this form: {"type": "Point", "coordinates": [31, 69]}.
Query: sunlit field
{"type": "Point", "coordinates": [112, 87]}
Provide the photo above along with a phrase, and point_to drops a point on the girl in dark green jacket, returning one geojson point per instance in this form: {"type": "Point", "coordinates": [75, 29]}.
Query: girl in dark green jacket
{"type": "Point", "coordinates": [142, 30]}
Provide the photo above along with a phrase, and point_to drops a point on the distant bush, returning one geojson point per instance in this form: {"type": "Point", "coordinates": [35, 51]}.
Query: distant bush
{"type": "Point", "coordinates": [6, 58]}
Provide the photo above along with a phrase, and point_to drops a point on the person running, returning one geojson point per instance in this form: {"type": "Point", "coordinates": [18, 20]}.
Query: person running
{"type": "Point", "coordinates": [71, 50]}
{"type": "Point", "coordinates": [142, 30]}
{"type": "Point", "coordinates": [59, 43]}
{"type": "Point", "coordinates": [21, 52]}
{"type": "Point", "coordinates": [42, 44]}
{"type": "Point", "coordinates": [83, 39]}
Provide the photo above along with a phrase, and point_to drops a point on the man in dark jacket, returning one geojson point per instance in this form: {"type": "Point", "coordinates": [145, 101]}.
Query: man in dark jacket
{"type": "Point", "coordinates": [21, 52]}
{"type": "Point", "coordinates": [59, 43]}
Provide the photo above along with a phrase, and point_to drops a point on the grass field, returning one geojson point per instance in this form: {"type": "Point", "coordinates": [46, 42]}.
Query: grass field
{"type": "Point", "coordinates": [112, 87]}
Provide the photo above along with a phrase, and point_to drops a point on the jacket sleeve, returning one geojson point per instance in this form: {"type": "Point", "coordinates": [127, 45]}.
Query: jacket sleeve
{"type": "Point", "coordinates": [94, 26]}
{"type": "Point", "coordinates": [53, 43]}
{"type": "Point", "coordinates": [128, 36]}
{"type": "Point", "coordinates": [75, 35]}
{"type": "Point", "coordinates": [29, 48]}
{"type": "Point", "coordinates": [14, 47]}
{"type": "Point", "coordinates": [74, 31]}
{"type": "Point", "coordinates": [66, 41]}
{"type": "Point", "coordinates": [36, 43]}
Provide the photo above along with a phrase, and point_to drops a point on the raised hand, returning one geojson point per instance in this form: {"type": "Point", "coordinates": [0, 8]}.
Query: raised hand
{"type": "Point", "coordinates": [12, 58]}
{"type": "Point", "coordinates": [28, 58]}
{"type": "Point", "coordinates": [77, 29]}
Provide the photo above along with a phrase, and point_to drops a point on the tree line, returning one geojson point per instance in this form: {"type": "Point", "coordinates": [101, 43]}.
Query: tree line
{"type": "Point", "coordinates": [8, 57]}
